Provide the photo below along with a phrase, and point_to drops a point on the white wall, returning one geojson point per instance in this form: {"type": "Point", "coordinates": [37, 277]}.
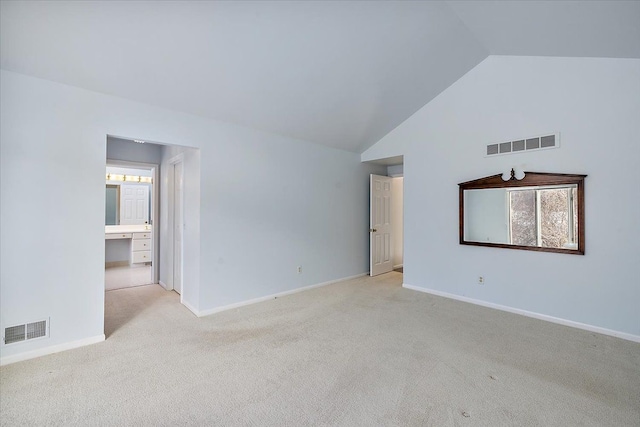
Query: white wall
{"type": "Point", "coordinates": [263, 219]}
{"type": "Point", "coordinates": [595, 105]}
{"type": "Point", "coordinates": [127, 171]}
{"type": "Point", "coordinates": [395, 170]}
{"type": "Point", "coordinates": [257, 220]}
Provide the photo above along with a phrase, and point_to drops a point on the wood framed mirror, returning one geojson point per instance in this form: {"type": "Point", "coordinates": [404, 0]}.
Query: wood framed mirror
{"type": "Point", "coordinates": [535, 212]}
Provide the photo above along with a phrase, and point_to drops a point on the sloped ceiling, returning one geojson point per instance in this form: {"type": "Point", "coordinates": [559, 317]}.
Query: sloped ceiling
{"type": "Point", "coordinates": [608, 29]}
{"type": "Point", "coordinates": [342, 74]}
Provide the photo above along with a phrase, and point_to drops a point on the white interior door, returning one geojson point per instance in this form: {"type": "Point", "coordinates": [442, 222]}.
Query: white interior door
{"type": "Point", "coordinates": [134, 204]}
{"type": "Point", "coordinates": [381, 260]}
{"type": "Point", "coordinates": [178, 225]}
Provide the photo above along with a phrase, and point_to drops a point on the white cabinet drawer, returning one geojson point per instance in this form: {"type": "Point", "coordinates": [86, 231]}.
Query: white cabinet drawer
{"type": "Point", "coordinates": [140, 256]}
{"type": "Point", "coordinates": [142, 235]}
{"type": "Point", "coordinates": [141, 245]}
{"type": "Point", "coordinates": [110, 236]}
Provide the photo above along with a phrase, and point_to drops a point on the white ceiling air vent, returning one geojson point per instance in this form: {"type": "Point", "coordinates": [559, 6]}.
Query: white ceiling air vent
{"type": "Point", "coordinates": [525, 144]}
{"type": "Point", "coordinates": [26, 331]}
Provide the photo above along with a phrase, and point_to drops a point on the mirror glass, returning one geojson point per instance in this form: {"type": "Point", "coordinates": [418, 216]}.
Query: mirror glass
{"type": "Point", "coordinates": [538, 216]}
{"type": "Point", "coordinates": [520, 215]}
{"type": "Point", "coordinates": [112, 205]}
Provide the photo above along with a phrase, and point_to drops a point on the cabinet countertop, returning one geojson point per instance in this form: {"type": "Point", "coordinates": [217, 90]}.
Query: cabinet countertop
{"type": "Point", "coordinates": [116, 229]}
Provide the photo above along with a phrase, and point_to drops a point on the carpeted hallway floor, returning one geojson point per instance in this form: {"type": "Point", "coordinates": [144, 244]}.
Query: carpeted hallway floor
{"type": "Point", "coordinates": [358, 353]}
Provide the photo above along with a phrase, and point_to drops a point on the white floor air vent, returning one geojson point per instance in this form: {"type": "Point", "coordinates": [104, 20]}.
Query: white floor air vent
{"type": "Point", "coordinates": [27, 331]}
{"type": "Point", "coordinates": [524, 145]}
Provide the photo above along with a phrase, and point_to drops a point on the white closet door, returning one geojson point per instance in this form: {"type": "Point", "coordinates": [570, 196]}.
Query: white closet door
{"type": "Point", "coordinates": [134, 204]}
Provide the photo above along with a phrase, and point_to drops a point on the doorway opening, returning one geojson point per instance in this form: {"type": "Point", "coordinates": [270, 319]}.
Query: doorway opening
{"type": "Point", "coordinates": [131, 212]}
{"type": "Point", "coordinates": [168, 229]}
{"type": "Point", "coordinates": [386, 226]}
{"type": "Point", "coordinates": [169, 243]}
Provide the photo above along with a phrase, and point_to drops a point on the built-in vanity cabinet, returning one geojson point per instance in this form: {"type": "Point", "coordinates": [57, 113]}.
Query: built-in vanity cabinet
{"type": "Point", "coordinates": [141, 247]}
{"type": "Point", "coordinates": [139, 241]}
{"type": "Point", "coordinates": [111, 236]}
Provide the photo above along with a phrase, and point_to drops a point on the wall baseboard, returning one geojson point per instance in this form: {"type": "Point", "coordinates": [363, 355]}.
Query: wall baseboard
{"type": "Point", "coordinates": [50, 350]}
{"type": "Point", "coordinates": [532, 314]}
{"type": "Point", "coordinates": [191, 308]}
{"type": "Point", "coordinates": [272, 296]}
{"type": "Point", "coordinates": [398, 266]}
{"type": "Point", "coordinates": [164, 285]}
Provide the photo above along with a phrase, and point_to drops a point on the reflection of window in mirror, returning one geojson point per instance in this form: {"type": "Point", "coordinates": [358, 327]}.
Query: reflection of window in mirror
{"type": "Point", "coordinates": [544, 217]}
{"type": "Point", "coordinates": [112, 205]}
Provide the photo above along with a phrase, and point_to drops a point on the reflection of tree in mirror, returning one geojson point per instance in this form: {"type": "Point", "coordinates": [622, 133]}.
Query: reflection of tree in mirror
{"type": "Point", "coordinates": [544, 217]}
{"type": "Point", "coordinates": [523, 218]}
{"type": "Point", "coordinates": [554, 221]}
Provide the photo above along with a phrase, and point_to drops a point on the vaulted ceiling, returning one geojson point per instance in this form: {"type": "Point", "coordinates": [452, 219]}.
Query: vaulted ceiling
{"type": "Point", "coordinates": [342, 74]}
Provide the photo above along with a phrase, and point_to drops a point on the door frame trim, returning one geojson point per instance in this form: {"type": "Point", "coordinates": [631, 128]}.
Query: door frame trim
{"type": "Point", "coordinates": [172, 162]}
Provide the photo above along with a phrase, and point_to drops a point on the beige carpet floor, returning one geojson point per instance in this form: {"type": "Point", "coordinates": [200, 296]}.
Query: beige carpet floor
{"type": "Point", "coordinates": [363, 352]}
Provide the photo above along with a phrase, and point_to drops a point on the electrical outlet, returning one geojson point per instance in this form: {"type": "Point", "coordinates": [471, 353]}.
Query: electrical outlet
{"type": "Point", "coordinates": [480, 280]}
{"type": "Point", "coordinates": [299, 269]}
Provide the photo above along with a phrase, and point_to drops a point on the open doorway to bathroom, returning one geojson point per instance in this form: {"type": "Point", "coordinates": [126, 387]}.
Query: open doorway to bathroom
{"type": "Point", "coordinates": [129, 209]}
{"type": "Point", "coordinates": [131, 214]}
{"type": "Point", "coordinates": [171, 225]}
